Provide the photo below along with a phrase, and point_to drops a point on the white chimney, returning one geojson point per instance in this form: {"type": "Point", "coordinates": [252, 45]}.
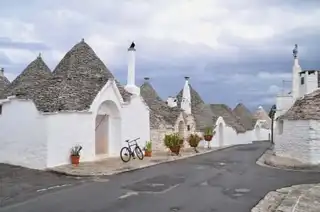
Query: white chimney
{"type": "Point", "coordinates": [2, 72]}
{"type": "Point", "coordinates": [186, 97]}
{"type": "Point", "coordinates": [131, 85]}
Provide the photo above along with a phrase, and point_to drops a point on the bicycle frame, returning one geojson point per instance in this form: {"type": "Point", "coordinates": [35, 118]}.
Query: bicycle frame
{"type": "Point", "coordinates": [131, 145]}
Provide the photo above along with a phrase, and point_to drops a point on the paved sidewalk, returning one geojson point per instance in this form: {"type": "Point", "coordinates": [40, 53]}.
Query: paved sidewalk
{"type": "Point", "coordinates": [269, 159]}
{"type": "Point", "coordinates": [115, 165]}
{"type": "Point", "coordinates": [298, 198]}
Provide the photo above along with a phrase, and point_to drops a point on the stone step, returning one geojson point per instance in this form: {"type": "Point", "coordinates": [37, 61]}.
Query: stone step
{"type": "Point", "coordinates": [270, 202]}
{"type": "Point", "coordinates": [292, 198]}
{"type": "Point", "coordinates": [275, 201]}
{"type": "Point", "coordinates": [309, 201]}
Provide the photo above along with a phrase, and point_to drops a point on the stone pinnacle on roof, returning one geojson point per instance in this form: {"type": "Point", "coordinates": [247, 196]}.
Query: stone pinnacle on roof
{"type": "Point", "coordinates": [202, 112]}
{"type": "Point", "coordinates": [195, 98]}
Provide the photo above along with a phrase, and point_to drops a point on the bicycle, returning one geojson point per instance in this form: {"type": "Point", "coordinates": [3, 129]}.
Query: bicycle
{"type": "Point", "coordinates": [128, 152]}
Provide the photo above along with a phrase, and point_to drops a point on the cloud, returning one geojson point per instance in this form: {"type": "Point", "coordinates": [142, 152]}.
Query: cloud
{"type": "Point", "coordinates": [231, 50]}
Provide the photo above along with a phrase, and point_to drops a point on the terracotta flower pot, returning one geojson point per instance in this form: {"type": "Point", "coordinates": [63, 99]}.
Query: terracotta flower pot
{"type": "Point", "coordinates": [147, 153]}
{"type": "Point", "coordinates": [208, 137]}
{"type": "Point", "coordinates": [75, 160]}
{"type": "Point", "coordinates": [175, 149]}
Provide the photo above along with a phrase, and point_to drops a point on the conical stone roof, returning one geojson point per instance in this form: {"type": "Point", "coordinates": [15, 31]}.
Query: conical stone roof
{"type": "Point", "coordinates": [76, 81]}
{"type": "Point", "coordinates": [307, 108]}
{"type": "Point", "coordinates": [159, 110]}
{"type": "Point", "coordinates": [4, 83]}
{"type": "Point", "coordinates": [245, 116]}
{"type": "Point", "coordinates": [196, 99]}
{"type": "Point", "coordinates": [230, 119]}
{"type": "Point", "coordinates": [261, 114]}
{"type": "Point", "coordinates": [26, 84]}
{"type": "Point", "coordinates": [202, 112]}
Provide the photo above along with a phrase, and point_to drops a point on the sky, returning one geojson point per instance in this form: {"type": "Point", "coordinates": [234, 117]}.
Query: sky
{"type": "Point", "coordinates": [233, 51]}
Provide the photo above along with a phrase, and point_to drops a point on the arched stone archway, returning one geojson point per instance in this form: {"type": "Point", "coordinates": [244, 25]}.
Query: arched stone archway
{"type": "Point", "coordinates": [181, 129]}
{"type": "Point", "coordinates": [107, 129]}
{"type": "Point", "coordinates": [221, 135]}
{"type": "Point", "coordinates": [257, 131]}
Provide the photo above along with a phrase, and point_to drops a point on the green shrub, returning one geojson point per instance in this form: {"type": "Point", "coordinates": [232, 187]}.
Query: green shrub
{"type": "Point", "coordinates": [172, 140]}
{"type": "Point", "coordinates": [194, 140]}
{"type": "Point", "coordinates": [208, 131]}
{"type": "Point", "coordinates": [148, 146]}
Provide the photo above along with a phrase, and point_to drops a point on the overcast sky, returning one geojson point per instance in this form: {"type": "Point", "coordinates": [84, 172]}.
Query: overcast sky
{"type": "Point", "coordinates": [232, 50]}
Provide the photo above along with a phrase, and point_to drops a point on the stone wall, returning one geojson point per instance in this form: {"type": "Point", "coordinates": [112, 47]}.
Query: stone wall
{"type": "Point", "coordinates": [314, 141]}
{"type": "Point", "coordinates": [292, 139]}
{"type": "Point", "coordinates": [157, 135]}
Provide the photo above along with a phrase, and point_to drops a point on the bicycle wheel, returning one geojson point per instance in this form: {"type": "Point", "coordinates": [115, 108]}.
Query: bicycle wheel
{"type": "Point", "coordinates": [125, 154]}
{"type": "Point", "coordinates": [139, 152]}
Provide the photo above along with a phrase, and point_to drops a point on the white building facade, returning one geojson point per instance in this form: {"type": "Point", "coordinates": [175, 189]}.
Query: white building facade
{"type": "Point", "coordinates": [38, 131]}
{"type": "Point", "coordinates": [297, 133]}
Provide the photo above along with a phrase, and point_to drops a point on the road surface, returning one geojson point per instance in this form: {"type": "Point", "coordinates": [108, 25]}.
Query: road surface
{"type": "Point", "coordinates": [222, 181]}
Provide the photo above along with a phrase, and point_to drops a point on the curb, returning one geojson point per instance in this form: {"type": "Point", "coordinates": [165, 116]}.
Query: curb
{"type": "Point", "coordinates": [136, 168]}
{"type": "Point", "coordinates": [261, 162]}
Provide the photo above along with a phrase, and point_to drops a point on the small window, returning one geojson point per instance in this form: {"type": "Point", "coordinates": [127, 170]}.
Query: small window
{"type": "Point", "coordinates": [188, 127]}
{"type": "Point", "coordinates": [302, 80]}
{"type": "Point", "coordinates": [0, 109]}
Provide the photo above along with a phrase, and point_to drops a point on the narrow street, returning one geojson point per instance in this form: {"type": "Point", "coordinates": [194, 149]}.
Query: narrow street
{"type": "Point", "coordinates": [222, 181]}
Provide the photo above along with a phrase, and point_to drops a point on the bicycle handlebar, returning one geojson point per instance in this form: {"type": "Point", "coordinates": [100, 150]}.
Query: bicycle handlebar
{"type": "Point", "coordinates": [134, 140]}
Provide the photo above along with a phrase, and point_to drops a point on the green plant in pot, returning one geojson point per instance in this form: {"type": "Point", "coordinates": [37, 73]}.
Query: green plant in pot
{"type": "Point", "coordinates": [208, 135]}
{"type": "Point", "coordinates": [148, 149]}
{"type": "Point", "coordinates": [75, 154]}
{"type": "Point", "coordinates": [173, 142]}
{"type": "Point", "coordinates": [193, 141]}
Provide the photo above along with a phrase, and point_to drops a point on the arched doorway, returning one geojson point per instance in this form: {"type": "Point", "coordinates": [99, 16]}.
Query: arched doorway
{"type": "Point", "coordinates": [221, 135]}
{"type": "Point", "coordinates": [107, 130]}
{"type": "Point", "coordinates": [258, 133]}
{"type": "Point", "coordinates": [181, 129]}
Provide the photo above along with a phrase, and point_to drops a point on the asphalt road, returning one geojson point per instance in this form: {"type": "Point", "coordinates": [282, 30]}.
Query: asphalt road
{"type": "Point", "coordinates": [18, 184]}
{"type": "Point", "coordinates": [226, 181]}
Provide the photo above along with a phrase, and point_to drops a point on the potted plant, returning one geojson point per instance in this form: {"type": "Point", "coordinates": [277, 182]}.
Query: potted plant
{"type": "Point", "coordinates": [75, 154]}
{"type": "Point", "coordinates": [148, 149]}
{"type": "Point", "coordinates": [193, 141]}
{"type": "Point", "coordinates": [173, 142]}
{"type": "Point", "coordinates": [208, 135]}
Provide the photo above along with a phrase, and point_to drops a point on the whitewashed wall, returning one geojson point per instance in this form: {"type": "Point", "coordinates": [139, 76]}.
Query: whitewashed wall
{"type": "Point", "coordinates": [22, 135]}
{"type": "Point", "coordinates": [64, 131]}
{"type": "Point", "coordinates": [298, 140]}
{"type": "Point", "coordinates": [293, 140]}
{"type": "Point", "coordinates": [136, 122]}
{"type": "Point", "coordinates": [244, 138]}
{"type": "Point", "coordinates": [110, 94]}
{"type": "Point", "coordinates": [314, 141]}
